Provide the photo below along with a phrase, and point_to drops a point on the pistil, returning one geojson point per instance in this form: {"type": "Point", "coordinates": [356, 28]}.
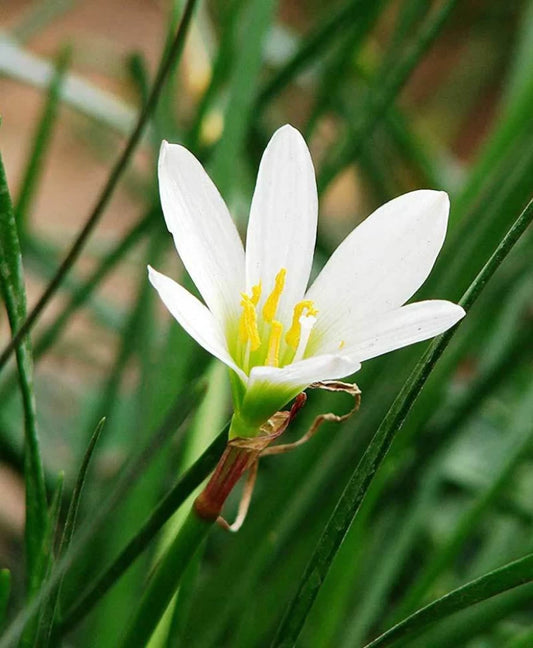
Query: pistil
{"type": "Point", "coordinates": [306, 326]}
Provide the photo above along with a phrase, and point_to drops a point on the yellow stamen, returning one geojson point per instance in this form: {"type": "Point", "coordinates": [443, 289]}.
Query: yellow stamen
{"type": "Point", "coordinates": [271, 304]}
{"type": "Point", "coordinates": [341, 344]}
{"type": "Point", "coordinates": [256, 294]}
{"type": "Point", "coordinates": [293, 334]}
{"type": "Point", "coordinates": [248, 331]}
{"type": "Point", "coordinates": [274, 341]}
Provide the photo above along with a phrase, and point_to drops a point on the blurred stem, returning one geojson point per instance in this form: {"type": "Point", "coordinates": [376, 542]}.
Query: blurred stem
{"type": "Point", "coordinates": [83, 292]}
{"type": "Point", "coordinates": [335, 72]}
{"type": "Point", "coordinates": [165, 580]}
{"type": "Point", "coordinates": [167, 64]}
{"type": "Point", "coordinates": [327, 30]}
{"type": "Point", "coordinates": [5, 588]}
{"type": "Point", "coordinates": [41, 142]}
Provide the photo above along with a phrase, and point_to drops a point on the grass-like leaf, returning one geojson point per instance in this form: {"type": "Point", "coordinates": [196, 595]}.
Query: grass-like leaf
{"type": "Point", "coordinates": [184, 404]}
{"type": "Point", "coordinates": [185, 485]}
{"type": "Point", "coordinates": [500, 580]}
{"type": "Point", "coordinates": [68, 532]}
{"type": "Point", "coordinates": [14, 293]}
{"type": "Point", "coordinates": [5, 588]}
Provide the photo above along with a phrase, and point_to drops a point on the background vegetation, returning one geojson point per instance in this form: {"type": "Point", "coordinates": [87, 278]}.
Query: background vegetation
{"type": "Point", "coordinates": [392, 95]}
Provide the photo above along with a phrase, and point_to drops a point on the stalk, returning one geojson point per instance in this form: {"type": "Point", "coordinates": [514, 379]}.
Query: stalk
{"type": "Point", "coordinates": [165, 580]}
{"type": "Point", "coordinates": [167, 574]}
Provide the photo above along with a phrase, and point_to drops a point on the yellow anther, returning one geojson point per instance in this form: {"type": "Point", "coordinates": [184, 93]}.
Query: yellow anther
{"type": "Point", "coordinates": [271, 304]}
{"type": "Point", "coordinates": [274, 341]}
{"type": "Point", "coordinates": [293, 334]}
{"type": "Point", "coordinates": [248, 331]}
{"type": "Point", "coordinates": [341, 344]}
{"type": "Point", "coordinates": [256, 294]}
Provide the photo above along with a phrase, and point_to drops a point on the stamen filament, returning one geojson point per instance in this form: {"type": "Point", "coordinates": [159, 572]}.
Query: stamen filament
{"type": "Point", "coordinates": [293, 334]}
{"type": "Point", "coordinates": [274, 342]}
{"type": "Point", "coordinates": [248, 331]}
{"type": "Point", "coordinates": [256, 293]}
{"type": "Point", "coordinates": [271, 304]}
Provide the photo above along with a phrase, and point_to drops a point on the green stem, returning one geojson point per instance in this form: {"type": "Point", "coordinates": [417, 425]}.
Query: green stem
{"type": "Point", "coordinates": [238, 457]}
{"type": "Point", "coordinates": [165, 580]}
{"type": "Point", "coordinates": [5, 589]}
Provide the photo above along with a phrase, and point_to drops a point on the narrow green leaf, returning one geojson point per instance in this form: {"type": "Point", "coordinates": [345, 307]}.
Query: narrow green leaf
{"type": "Point", "coordinates": [409, 17]}
{"type": "Point", "coordinates": [13, 290]}
{"type": "Point", "coordinates": [48, 557]}
{"type": "Point", "coordinates": [168, 62]}
{"type": "Point", "coordinates": [5, 589]}
{"type": "Point", "coordinates": [334, 74]}
{"type": "Point", "coordinates": [68, 531]}
{"type": "Point", "coordinates": [354, 493]}
{"type": "Point", "coordinates": [514, 449]}
{"type": "Point", "coordinates": [243, 81]}
{"type": "Point", "coordinates": [164, 582]}
{"type": "Point", "coordinates": [116, 254]}
{"type": "Point", "coordinates": [83, 293]}
{"type": "Point", "coordinates": [72, 514]}
{"type": "Point", "coordinates": [164, 510]}
{"type": "Point", "coordinates": [26, 67]}
{"type": "Point", "coordinates": [40, 144]}
{"type": "Point", "coordinates": [184, 404]}
{"type": "Point", "coordinates": [386, 90]}
{"type": "Point", "coordinates": [500, 580]}
{"type": "Point", "coordinates": [327, 30]}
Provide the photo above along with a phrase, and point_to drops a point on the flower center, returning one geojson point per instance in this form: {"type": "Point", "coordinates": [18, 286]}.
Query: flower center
{"type": "Point", "coordinates": [261, 340]}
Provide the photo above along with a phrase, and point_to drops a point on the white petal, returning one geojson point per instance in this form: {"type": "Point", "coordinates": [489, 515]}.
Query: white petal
{"type": "Point", "coordinates": [194, 317]}
{"type": "Point", "coordinates": [382, 263]}
{"type": "Point", "coordinates": [269, 388]}
{"type": "Point", "coordinates": [283, 219]}
{"type": "Point", "coordinates": [303, 373]}
{"type": "Point", "coordinates": [204, 234]}
{"type": "Point", "coordinates": [398, 328]}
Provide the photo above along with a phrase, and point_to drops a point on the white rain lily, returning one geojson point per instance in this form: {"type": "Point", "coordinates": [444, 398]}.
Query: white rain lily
{"type": "Point", "coordinates": [276, 335]}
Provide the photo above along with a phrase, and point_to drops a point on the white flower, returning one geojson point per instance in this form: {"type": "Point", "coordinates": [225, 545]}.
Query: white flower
{"type": "Point", "coordinates": [258, 318]}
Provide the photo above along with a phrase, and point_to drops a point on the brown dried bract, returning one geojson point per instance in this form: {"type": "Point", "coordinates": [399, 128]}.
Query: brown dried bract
{"type": "Point", "coordinates": [243, 454]}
